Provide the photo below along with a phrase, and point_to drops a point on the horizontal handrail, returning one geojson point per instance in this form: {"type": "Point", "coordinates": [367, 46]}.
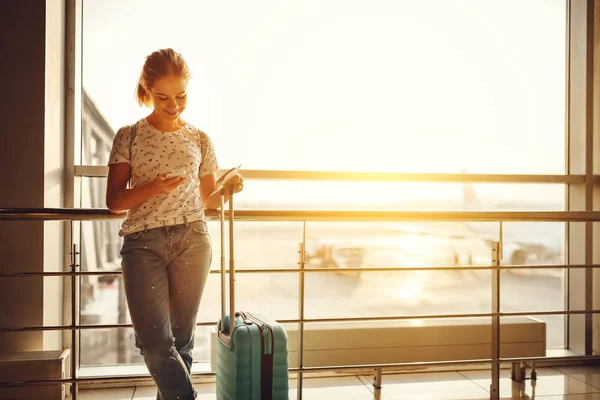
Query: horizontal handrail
{"type": "Point", "coordinates": [319, 270]}
{"type": "Point", "coordinates": [91, 214]}
{"type": "Point", "coordinates": [409, 177]}
{"type": "Point", "coordinates": [100, 171]}
{"type": "Point", "coordinates": [57, 214]}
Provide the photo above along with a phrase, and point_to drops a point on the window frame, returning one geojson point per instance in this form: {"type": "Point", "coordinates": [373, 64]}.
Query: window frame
{"type": "Point", "coordinates": [582, 172]}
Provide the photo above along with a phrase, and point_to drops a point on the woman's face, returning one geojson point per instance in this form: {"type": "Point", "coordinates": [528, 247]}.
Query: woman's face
{"type": "Point", "coordinates": [169, 97]}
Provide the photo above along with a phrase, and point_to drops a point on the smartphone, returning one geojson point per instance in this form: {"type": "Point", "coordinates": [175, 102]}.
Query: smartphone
{"type": "Point", "coordinates": [176, 174]}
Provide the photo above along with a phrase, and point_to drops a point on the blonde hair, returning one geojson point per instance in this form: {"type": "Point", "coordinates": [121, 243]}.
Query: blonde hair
{"type": "Point", "coordinates": [161, 63]}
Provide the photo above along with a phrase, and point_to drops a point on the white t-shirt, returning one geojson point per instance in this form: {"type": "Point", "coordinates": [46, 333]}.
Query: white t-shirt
{"type": "Point", "coordinates": [153, 152]}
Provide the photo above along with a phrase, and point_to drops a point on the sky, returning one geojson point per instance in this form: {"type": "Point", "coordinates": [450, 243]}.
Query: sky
{"type": "Point", "coordinates": [351, 85]}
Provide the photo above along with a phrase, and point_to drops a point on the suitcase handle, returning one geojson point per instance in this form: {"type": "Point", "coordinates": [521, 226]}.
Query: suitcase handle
{"type": "Point", "coordinates": [231, 264]}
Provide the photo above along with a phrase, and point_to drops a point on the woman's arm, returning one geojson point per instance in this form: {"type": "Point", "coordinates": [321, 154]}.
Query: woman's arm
{"type": "Point", "coordinates": [119, 198]}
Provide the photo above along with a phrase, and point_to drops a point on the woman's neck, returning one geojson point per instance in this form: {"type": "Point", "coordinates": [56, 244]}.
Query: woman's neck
{"type": "Point", "coordinates": [164, 125]}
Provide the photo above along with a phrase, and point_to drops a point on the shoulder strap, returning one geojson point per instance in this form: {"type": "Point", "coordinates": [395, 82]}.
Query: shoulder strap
{"type": "Point", "coordinates": [131, 139]}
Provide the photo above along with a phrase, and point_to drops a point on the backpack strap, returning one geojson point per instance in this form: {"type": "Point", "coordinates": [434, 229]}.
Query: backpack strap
{"type": "Point", "coordinates": [131, 139]}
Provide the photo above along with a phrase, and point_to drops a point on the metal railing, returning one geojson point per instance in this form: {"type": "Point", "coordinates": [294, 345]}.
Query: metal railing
{"type": "Point", "coordinates": [94, 214]}
{"type": "Point", "coordinates": [100, 171]}
{"type": "Point", "coordinates": [59, 214]}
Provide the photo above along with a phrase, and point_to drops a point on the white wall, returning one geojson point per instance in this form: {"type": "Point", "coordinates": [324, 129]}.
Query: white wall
{"type": "Point", "coordinates": [54, 160]}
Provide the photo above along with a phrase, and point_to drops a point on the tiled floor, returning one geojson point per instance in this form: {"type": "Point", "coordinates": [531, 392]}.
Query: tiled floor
{"type": "Point", "coordinates": [568, 383]}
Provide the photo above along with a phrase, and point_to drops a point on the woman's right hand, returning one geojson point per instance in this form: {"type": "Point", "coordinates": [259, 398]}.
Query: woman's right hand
{"type": "Point", "coordinates": [162, 185]}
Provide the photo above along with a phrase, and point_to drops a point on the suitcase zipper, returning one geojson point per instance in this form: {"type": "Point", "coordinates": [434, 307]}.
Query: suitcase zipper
{"type": "Point", "coordinates": [268, 344]}
{"type": "Point", "coordinates": [245, 318]}
{"type": "Point", "coordinates": [265, 330]}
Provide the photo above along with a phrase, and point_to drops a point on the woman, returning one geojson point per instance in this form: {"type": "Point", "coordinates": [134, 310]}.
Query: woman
{"type": "Point", "coordinates": [166, 253]}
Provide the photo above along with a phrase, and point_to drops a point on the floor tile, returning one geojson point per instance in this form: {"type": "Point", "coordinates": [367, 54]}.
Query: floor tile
{"type": "Point", "coordinates": [347, 388]}
{"type": "Point", "coordinates": [427, 386]}
{"type": "Point", "coordinates": [561, 383]}
{"type": "Point", "coordinates": [206, 391]}
{"type": "Point", "coordinates": [589, 375]}
{"type": "Point", "coordinates": [105, 394]}
{"type": "Point", "coordinates": [550, 382]}
{"type": "Point", "coordinates": [350, 388]}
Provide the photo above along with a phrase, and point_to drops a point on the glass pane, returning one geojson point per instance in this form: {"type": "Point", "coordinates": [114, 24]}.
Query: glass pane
{"type": "Point", "coordinates": [258, 245]}
{"type": "Point", "coordinates": [327, 96]}
{"type": "Point", "coordinates": [103, 302]}
{"type": "Point", "coordinates": [526, 290]}
{"type": "Point", "coordinates": [100, 347]}
{"type": "Point", "coordinates": [275, 295]}
{"type": "Point", "coordinates": [100, 245]}
{"type": "Point", "coordinates": [106, 347]}
{"type": "Point", "coordinates": [341, 293]}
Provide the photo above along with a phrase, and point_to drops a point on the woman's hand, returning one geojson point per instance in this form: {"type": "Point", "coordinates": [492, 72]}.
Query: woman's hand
{"type": "Point", "coordinates": [119, 212]}
{"type": "Point", "coordinates": [236, 181]}
{"type": "Point", "coordinates": [162, 185]}
{"type": "Point", "coordinates": [208, 184]}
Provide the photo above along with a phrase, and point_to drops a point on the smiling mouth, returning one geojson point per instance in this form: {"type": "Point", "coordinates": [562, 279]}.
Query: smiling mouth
{"type": "Point", "coordinates": [171, 113]}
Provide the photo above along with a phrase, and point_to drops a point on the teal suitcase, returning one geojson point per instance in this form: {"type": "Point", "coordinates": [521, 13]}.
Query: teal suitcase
{"type": "Point", "coordinates": [252, 361]}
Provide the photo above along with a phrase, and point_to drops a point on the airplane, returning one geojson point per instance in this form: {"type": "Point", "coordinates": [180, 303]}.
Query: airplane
{"type": "Point", "coordinates": [522, 242]}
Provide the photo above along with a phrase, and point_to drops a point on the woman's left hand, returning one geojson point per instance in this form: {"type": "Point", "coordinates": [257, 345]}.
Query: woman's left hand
{"type": "Point", "coordinates": [237, 182]}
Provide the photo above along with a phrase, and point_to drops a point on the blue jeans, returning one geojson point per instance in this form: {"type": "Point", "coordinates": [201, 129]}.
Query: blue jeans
{"type": "Point", "coordinates": [164, 273]}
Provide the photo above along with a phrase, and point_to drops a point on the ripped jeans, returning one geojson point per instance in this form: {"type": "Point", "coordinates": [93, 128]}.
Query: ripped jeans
{"type": "Point", "coordinates": [164, 273]}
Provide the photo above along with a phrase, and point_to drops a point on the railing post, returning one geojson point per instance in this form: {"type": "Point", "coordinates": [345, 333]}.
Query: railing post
{"type": "Point", "coordinates": [495, 386]}
{"type": "Point", "coordinates": [74, 311]}
{"type": "Point", "coordinates": [74, 271]}
{"type": "Point", "coordinates": [377, 379]}
{"type": "Point", "coordinates": [302, 264]}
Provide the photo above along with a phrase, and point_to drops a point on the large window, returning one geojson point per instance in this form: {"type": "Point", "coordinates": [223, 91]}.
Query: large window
{"type": "Point", "coordinates": [350, 86]}
{"type": "Point", "coordinates": [385, 85]}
